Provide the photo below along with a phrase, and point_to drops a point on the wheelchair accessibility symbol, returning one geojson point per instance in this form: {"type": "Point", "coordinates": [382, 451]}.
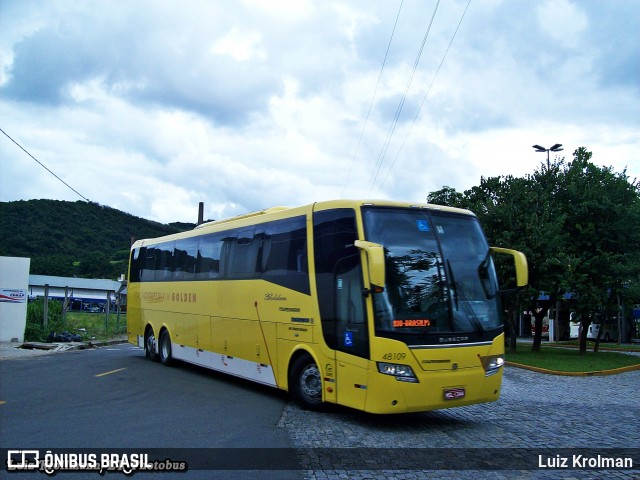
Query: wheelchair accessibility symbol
{"type": "Point", "coordinates": [348, 339]}
{"type": "Point", "coordinates": [423, 225]}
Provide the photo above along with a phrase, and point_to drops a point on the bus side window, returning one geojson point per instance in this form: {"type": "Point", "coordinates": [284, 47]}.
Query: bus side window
{"type": "Point", "coordinates": [283, 249]}
{"type": "Point", "coordinates": [241, 254]}
{"type": "Point", "coordinates": [184, 258]}
{"type": "Point", "coordinates": [283, 256]}
{"type": "Point", "coordinates": [137, 256]}
{"type": "Point", "coordinates": [148, 262]}
{"type": "Point", "coordinates": [164, 262]}
{"type": "Point", "coordinates": [208, 258]}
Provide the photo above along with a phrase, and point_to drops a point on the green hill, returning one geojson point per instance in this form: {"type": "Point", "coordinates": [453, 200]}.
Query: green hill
{"type": "Point", "coordinates": [74, 238]}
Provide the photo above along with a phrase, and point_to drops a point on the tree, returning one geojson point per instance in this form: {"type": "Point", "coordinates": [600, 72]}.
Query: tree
{"type": "Point", "coordinates": [95, 264]}
{"type": "Point", "coordinates": [602, 212]}
{"type": "Point", "coordinates": [497, 202]}
{"type": "Point", "coordinates": [56, 235]}
{"type": "Point", "coordinates": [58, 265]}
{"type": "Point", "coordinates": [575, 223]}
{"type": "Point", "coordinates": [447, 196]}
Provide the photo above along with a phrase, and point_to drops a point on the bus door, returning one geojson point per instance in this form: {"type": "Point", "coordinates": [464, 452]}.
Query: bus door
{"type": "Point", "coordinates": [351, 333]}
{"type": "Point", "coordinates": [341, 302]}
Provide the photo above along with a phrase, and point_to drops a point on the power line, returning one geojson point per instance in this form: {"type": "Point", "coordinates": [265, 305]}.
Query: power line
{"type": "Point", "coordinates": [375, 91]}
{"type": "Point", "coordinates": [385, 147]}
{"type": "Point", "coordinates": [42, 165]}
{"type": "Point", "coordinates": [424, 99]}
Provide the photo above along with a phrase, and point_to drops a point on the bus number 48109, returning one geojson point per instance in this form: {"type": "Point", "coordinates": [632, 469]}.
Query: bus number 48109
{"type": "Point", "coordinates": [394, 356]}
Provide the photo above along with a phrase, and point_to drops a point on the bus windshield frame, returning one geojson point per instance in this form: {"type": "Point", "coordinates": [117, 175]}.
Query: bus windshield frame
{"type": "Point", "coordinates": [441, 285]}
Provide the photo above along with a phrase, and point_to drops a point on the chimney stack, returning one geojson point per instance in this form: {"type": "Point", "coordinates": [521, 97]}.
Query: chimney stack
{"type": "Point", "coordinates": [200, 213]}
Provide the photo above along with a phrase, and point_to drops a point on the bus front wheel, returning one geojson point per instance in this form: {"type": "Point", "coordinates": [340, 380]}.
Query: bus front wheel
{"type": "Point", "coordinates": [165, 348]}
{"type": "Point", "coordinates": [306, 383]}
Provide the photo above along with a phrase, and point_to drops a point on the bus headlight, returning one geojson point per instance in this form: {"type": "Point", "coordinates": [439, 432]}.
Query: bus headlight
{"type": "Point", "coordinates": [403, 373]}
{"type": "Point", "coordinates": [491, 364]}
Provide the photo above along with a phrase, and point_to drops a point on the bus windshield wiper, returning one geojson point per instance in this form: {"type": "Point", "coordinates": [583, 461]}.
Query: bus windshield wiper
{"type": "Point", "coordinates": [483, 274]}
{"type": "Point", "coordinates": [452, 284]}
{"type": "Point", "coordinates": [466, 305]}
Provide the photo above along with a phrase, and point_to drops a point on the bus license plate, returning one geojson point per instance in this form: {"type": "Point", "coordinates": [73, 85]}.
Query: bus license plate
{"type": "Point", "coordinates": [454, 393]}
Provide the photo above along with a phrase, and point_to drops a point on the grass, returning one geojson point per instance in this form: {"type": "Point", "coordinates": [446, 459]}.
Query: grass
{"type": "Point", "coordinates": [568, 360]}
{"type": "Point", "coordinates": [91, 326]}
{"type": "Point", "coordinates": [625, 347]}
{"type": "Point", "coordinates": [563, 356]}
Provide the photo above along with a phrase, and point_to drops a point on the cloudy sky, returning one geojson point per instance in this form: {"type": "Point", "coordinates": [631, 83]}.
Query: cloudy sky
{"type": "Point", "coordinates": [152, 106]}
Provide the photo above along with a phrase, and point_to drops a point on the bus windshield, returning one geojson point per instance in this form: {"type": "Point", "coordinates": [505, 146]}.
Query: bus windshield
{"type": "Point", "coordinates": [440, 278]}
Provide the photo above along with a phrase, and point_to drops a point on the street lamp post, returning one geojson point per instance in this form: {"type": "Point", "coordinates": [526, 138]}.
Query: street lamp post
{"type": "Point", "coordinates": [555, 148]}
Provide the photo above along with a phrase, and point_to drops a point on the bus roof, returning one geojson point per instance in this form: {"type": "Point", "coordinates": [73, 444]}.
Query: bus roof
{"type": "Point", "coordinates": [276, 213]}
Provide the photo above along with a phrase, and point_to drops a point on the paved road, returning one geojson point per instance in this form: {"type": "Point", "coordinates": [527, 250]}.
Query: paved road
{"type": "Point", "coordinates": [116, 398]}
{"type": "Point", "coordinates": [57, 401]}
{"type": "Point", "coordinates": [536, 414]}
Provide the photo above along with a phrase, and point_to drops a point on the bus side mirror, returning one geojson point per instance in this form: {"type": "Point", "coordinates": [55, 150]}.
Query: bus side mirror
{"type": "Point", "coordinates": [375, 259]}
{"type": "Point", "coordinates": [519, 262]}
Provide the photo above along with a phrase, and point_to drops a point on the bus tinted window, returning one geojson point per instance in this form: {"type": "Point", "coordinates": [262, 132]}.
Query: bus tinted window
{"type": "Point", "coordinates": [148, 271]}
{"type": "Point", "coordinates": [137, 256]}
{"type": "Point", "coordinates": [274, 251]}
{"type": "Point", "coordinates": [164, 262]}
{"type": "Point", "coordinates": [185, 256]}
{"type": "Point", "coordinates": [284, 247]}
{"type": "Point", "coordinates": [208, 261]}
{"type": "Point", "coordinates": [241, 254]}
{"type": "Point", "coordinates": [282, 258]}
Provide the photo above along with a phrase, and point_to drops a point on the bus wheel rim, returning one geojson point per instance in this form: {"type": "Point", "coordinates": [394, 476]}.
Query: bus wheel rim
{"type": "Point", "coordinates": [310, 382]}
{"type": "Point", "coordinates": [151, 344]}
{"type": "Point", "coordinates": [165, 347]}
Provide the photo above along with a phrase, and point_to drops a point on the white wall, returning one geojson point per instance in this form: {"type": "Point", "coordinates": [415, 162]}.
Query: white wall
{"type": "Point", "coordinates": [14, 282]}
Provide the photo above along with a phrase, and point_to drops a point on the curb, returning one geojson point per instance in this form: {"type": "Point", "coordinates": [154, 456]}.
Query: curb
{"type": "Point", "coordinates": [31, 349]}
{"type": "Point", "coordinates": [106, 343]}
{"type": "Point", "coordinates": [596, 373]}
{"type": "Point", "coordinates": [53, 346]}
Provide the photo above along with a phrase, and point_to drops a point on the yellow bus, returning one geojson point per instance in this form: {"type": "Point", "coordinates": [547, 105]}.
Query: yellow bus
{"type": "Point", "coordinates": [382, 306]}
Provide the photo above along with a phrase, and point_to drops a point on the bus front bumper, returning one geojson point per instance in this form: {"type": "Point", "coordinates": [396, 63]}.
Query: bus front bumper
{"type": "Point", "coordinates": [434, 390]}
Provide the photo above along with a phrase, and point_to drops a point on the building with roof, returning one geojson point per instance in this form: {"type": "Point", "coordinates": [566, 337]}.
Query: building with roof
{"type": "Point", "coordinates": [14, 273]}
{"type": "Point", "coordinates": [81, 293]}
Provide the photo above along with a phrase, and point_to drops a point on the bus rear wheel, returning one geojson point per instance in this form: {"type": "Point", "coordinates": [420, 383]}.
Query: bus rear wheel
{"type": "Point", "coordinates": [150, 345]}
{"type": "Point", "coordinates": [165, 349]}
{"type": "Point", "coordinates": [306, 383]}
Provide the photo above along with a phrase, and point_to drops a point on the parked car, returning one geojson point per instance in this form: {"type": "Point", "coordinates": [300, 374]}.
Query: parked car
{"type": "Point", "coordinates": [609, 331]}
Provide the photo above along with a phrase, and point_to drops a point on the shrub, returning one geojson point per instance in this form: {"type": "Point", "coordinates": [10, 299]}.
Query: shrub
{"type": "Point", "coordinates": [34, 330]}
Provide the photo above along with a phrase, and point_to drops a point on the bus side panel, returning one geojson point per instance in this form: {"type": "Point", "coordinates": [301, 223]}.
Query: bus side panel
{"type": "Point", "coordinates": [204, 332]}
{"type": "Point", "coordinates": [352, 380]}
{"type": "Point", "coordinates": [186, 329]}
{"type": "Point", "coordinates": [240, 338]}
{"type": "Point", "coordinates": [159, 319]}
{"type": "Point", "coordinates": [135, 327]}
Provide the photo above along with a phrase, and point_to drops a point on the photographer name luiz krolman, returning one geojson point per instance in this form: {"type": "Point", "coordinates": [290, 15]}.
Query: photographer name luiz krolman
{"type": "Point", "coordinates": [582, 461]}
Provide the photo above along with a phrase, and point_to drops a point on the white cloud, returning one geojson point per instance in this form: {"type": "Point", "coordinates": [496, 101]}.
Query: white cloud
{"type": "Point", "coordinates": [241, 45]}
{"type": "Point", "coordinates": [151, 107]}
{"type": "Point", "coordinates": [563, 21]}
